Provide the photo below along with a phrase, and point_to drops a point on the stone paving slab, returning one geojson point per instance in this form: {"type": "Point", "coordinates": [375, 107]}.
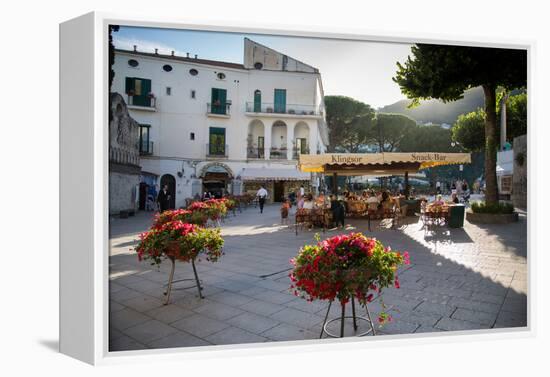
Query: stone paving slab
{"type": "Point", "coordinates": [460, 279]}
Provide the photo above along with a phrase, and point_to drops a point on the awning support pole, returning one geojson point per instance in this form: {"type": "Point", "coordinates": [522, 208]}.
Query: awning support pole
{"type": "Point", "coordinates": [335, 183]}
{"type": "Point", "coordinates": [407, 188]}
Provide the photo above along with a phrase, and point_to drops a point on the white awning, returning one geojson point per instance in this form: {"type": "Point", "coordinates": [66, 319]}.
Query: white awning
{"type": "Point", "coordinates": [273, 174]}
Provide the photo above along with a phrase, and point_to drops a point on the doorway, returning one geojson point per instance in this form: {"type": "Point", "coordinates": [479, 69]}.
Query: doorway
{"type": "Point", "coordinates": [278, 191]}
{"type": "Point", "coordinates": [168, 179]}
{"type": "Point", "coordinates": [142, 195]}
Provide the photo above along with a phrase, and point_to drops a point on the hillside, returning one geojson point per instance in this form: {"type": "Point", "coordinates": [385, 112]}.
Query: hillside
{"type": "Point", "coordinates": [436, 111]}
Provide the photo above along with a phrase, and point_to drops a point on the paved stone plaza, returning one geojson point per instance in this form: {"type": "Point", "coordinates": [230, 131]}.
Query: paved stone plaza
{"type": "Point", "coordinates": [459, 279]}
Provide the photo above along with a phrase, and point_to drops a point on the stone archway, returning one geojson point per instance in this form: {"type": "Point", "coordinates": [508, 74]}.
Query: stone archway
{"type": "Point", "coordinates": [216, 178]}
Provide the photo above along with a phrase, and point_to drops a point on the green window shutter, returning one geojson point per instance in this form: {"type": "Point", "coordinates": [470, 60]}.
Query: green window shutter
{"type": "Point", "coordinates": [257, 101]}
{"type": "Point", "coordinates": [216, 146]}
{"type": "Point", "coordinates": [219, 98]}
{"type": "Point", "coordinates": [130, 87]}
{"type": "Point", "coordinates": [280, 100]}
{"type": "Point", "coordinates": [142, 88]}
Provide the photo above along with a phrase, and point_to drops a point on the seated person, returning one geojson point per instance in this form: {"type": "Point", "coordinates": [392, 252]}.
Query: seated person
{"type": "Point", "coordinates": [454, 198]}
{"type": "Point", "coordinates": [308, 203]}
{"type": "Point", "coordinates": [386, 204]}
{"type": "Point", "coordinates": [438, 200]}
{"type": "Point", "coordinates": [372, 201]}
{"type": "Point", "coordinates": [320, 201]}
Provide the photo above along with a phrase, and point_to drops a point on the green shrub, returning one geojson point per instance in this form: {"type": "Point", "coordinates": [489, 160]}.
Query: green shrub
{"type": "Point", "coordinates": [497, 208]}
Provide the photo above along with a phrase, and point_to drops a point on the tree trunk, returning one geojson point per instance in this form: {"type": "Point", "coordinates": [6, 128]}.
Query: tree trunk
{"type": "Point", "coordinates": [491, 191]}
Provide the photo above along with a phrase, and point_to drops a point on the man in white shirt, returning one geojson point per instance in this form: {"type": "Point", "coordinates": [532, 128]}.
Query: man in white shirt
{"type": "Point", "coordinates": [302, 191]}
{"type": "Point", "coordinates": [262, 195]}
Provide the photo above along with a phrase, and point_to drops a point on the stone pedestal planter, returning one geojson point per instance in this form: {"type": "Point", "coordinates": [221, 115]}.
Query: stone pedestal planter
{"type": "Point", "coordinates": [490, 218]}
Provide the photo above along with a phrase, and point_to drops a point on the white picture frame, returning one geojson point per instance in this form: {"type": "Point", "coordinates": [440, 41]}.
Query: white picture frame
{"type": "Point", "coordinates": [84, 190]}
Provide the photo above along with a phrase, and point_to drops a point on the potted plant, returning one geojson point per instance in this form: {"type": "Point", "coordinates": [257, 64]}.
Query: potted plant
{"type": "Point", "coordinates": [346, 268]}
{"type": "Point", "coordinates": [176, 240]}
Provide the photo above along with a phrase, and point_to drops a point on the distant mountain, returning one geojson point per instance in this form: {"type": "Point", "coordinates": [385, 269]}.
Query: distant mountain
{"type": "Point", "coordinates": [436, 111]}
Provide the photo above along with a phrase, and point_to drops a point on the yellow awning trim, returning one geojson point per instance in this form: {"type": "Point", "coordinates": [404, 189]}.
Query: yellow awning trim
{"type": "Point", "coordinates": [317, 163]}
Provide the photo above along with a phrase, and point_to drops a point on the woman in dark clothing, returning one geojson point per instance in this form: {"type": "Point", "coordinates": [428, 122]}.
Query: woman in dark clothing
{"type": "Point", "coordinates": [163, 199]}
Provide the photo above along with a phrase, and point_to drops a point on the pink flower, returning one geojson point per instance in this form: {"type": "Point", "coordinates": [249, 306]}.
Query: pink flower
{"type": "Point", "coordinates": [396, 283]}
{"type": "Point", "coordinates": [406, 258]}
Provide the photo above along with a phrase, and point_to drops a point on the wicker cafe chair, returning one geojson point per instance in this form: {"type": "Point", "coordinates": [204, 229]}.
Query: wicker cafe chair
{"type": "Point", "coordinates": [303, 218]}
{"type": "Point", "coordinates": [356, 208]}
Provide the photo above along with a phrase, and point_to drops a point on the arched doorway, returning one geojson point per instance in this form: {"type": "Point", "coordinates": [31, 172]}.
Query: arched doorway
{"type": "Point", "coordinates": [170, 181]}
{"type": "Point", "coordinates": [255, 142]}
{"type": "Point", "coordinates": [278, 141]}
{"type": "Point", "coordinates": [216, 178]}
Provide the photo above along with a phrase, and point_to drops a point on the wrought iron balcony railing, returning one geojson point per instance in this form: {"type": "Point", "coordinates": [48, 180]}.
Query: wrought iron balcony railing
{"type": "Point", "coordinates": [291, 109]}
{"type": "Point", "coordinates": [146, 148]}
{"type": "Point", "coordinates": [216, 150]}
{"type": "Point", "coordinates": [278, 154]}
{"type": "Point", "coordinates": [253, 152]}
{"type": "Point", "coordinates": [218, 108]}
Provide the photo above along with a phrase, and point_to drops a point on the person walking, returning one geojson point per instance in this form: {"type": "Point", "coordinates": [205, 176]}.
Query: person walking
{"type": "Point", "coordinates": [163, 199]}
{"type": "Point", "coordinates": [262, 195]}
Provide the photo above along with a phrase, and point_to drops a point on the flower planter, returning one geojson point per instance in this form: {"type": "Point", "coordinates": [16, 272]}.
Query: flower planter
{"type": "Point", "coordinates": [491, 218]}
{"type": "Point", "coordinates": [173, 237]}
{"type": "Point", "coordinates": [346, 268]}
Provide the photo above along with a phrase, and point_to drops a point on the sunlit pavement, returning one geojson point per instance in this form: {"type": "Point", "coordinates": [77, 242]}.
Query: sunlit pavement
{"type": "Point", "coordinates": [473, 278]}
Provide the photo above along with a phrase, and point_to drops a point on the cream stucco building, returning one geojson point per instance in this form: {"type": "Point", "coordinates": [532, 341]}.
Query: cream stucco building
{"type": "Point", "coordinates": [217, 126]}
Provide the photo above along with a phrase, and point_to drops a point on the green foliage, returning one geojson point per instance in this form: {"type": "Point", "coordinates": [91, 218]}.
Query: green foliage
{"type": "Point", "coordinates": [492, 208]}
{"type": "Point", "coordinates": [427, 139]}
{"type": "Point", "coordinates": [469, 130]}
{"type": "Point", "coordinates": [445, 72]}
{"type": "Point", "coordinates": [181, 241]}
{"type": "Point", "coordinates": [348, 121]}
{"type": "Point", "coordinates": [516, 116]}
{"type": "Point", "coordinates": [389, 130]}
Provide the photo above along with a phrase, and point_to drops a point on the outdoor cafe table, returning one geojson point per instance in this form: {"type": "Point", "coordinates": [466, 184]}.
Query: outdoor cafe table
{"type": "Point", "coordinates": [437, 214]}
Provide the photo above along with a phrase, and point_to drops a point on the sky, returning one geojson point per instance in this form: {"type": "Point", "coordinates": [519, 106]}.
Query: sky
{"type": "Point", "coordinates": [357, 69]}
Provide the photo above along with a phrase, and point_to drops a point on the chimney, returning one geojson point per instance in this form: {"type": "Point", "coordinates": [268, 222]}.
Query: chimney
{"type": "Point", "coordinates": [196, 56]}
{"type": "Point", "coordinates": [135, 48]}
{"type": "Point", "coordinates": [187, 54]}
{"type": "Point", "coordinates": [172, 52]}
{"type": "Point", "coordinates": [156, 51]}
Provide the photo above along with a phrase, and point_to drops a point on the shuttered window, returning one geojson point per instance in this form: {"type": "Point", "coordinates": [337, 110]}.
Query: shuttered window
{"type": "Point", "coordinates": [139, 89]}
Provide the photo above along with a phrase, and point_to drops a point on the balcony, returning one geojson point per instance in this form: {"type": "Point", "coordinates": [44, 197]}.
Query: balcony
{"type": "Point", "coordinates": [290, 110]}
{"type": "Point", "coordinates": [278, 154]}
{"type": "Point", "coordinates": [217, 150]}
{"type": "Point", "coordinates": [146, 148]}
{"type": "Point", "coordinates": [253, 152]}
{"type": "Point", "coordinates": [296, 152]}
{"type": "Point", "coordinates": [217, 109]}
{"type": "Point", "coordinates": [146, 103]}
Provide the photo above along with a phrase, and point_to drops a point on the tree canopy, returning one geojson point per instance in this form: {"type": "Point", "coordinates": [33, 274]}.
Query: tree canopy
{"type": "Point", "coordinates": [445, 72]}
{"type": "Point", "coordinates": [427, 139]}
{"type": "Point", "coordinates": [469, 129]}
{"type": "Point", "coordinates": [348, 122]}
{"type": "Point", "coordinates": [389, 130]}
